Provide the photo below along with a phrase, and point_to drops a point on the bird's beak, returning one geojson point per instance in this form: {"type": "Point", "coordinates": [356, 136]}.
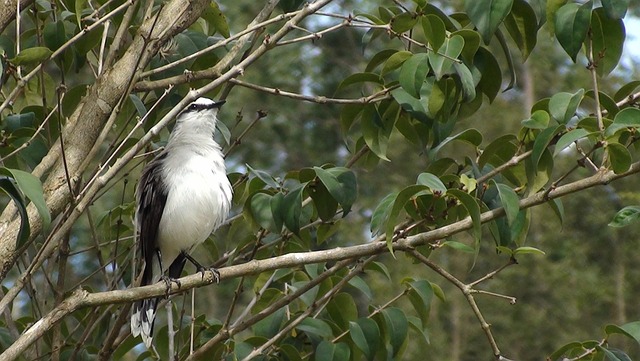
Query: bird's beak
{"type": "Point", "coordinates": [218, 104]}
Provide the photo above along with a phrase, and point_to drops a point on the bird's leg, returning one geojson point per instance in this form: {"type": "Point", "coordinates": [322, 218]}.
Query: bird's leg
{"type": "Point", "coordinates": [202, 269]}
{"type": "Point", "coordinates": [166, 279]}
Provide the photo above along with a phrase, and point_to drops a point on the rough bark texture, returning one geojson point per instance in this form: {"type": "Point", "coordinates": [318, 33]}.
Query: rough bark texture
{"type": "Point", "coordinates": [8, 11]}
{"type": "Point", "coordinates": [86, 123]}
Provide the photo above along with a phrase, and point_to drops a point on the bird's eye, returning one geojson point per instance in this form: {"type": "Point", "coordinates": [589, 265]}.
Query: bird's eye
{"type": "Point", "coordinates": [193, 107]}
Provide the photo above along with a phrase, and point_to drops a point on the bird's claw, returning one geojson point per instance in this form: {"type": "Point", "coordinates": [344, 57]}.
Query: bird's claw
{"type": "Point", "coordinates": [167, 281]}
{"type": "Point", "coordinates": [215, 272]}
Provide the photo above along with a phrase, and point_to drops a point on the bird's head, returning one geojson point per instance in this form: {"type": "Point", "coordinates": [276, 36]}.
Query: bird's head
{"type": "Point", "coordinates": [202, 109]}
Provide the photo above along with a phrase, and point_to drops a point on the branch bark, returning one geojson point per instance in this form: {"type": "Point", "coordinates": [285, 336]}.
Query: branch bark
{"type": "Point", "coordinates": [8, 11]}
{"type": "Point", "coordinates": [87, 121]}
{"type": "Point", "coordinates": [82, 299]}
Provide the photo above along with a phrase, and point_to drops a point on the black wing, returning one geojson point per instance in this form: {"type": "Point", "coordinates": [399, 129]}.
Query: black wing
{"type": "Point", "coordinates": [152, 197]}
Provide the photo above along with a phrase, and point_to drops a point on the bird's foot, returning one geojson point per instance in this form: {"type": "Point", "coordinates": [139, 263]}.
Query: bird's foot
{"type": "Point", "coordinates": [214, 271]}
{"type": "Point", "coordinates": [167, 281]}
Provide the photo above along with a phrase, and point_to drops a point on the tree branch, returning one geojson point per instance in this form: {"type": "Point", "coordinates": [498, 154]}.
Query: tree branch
{"type": "Point", "coordinates": [81, 298]}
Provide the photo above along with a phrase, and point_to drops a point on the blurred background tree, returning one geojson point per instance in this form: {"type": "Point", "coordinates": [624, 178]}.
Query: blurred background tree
{"type": "Point", "coordinates": [300, 102]}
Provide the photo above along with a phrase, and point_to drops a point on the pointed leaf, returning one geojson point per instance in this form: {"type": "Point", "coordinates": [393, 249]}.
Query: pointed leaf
{"type": "Point", "coordinates": [472, 207]}
{"type": "Point", "coordinates": [487, 15]}
{"type": "Point", "coordinates": [616, 9]}
{"type": "Point", "coordinates": [9, 187]}
{"type": "Point", "coordinates": [291, 208]}
{"type": "Point", "coordinates": [509, 200]}
{"type": "Point", "coordinates": [568, 138]}
{"type": "Point", "coordinates": [31, 187]}
{"type": "Point", "coordinates": [434, 30]}
{"type": "Point", "coordinates": [366, 335]}
{"type": "Point", "coordinates": [619, 157]}
{"type": "Point", "coordinates": [563, 106]}
{"type": "Point", "coordinates": [31, 56]}
{"type": "Point", "coordinates": [414, 73]}
{"type": "Point", "coordinates": [433, 182]}
{"type": "Point", "coordinates": [625, 216]}
{"type": "Point", "coordinates": [542, 142]}
{"type": "Point", "coordinates": [396, 327]}
{"type": "Point", "coordinates": [522, 25]}
{"type": "Point", "coordinates": [626, 118]}
{"type": "Point", "coordinates": [328, 351]}
{"type": "Point", "coordinates": [539, 120]}
{"type": "Point", "coordinates": [442, 60]}
{"type": "Point", "coordinates": [607, 38]}
{"type": "Point", "coordinates": [571, 26]}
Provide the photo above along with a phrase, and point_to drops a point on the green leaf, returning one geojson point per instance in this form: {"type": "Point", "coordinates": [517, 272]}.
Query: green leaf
{"type": "Point", "coordinates": [414, 73]}
{"type": "Point", "coordinates": [434, 30]}
{"type": "Point", "coordinates": [607, 39]}
{"type": "Point", "coordinates": [625, 216]}
{"type": "Point", "coordinates": [31, 187]}
{"type": "Point", "coordinates": [542, 142]}
{"type": "Point", "coordinates": [292, 209]}
{"type": "Point", "coordinates": [277, 218]}
{"type": "Point", "coordinates": [626, 118]}
{"type": "Point", "coordinates": [79, 4]}
{"type": "Point", "coordinates": [362, 286]}
{"type": "Point", "coordinates": [433, 182]}
{"type": "Point", "coordinates": [360, 78]}
{"type": "Point", "coordinates": [471, 44]}
{"type": "Point", "coordinates": [8, 186]}
{"type": "Point", "coordinates": [613, 354]}
{"type": "Point", "coordinates": [328, 351]}
{"type": "Point", "coordinates": [366, 336]}
{"type": "Point", "coordinates": [487, 15]}
{"type": "Point", "coordinates": [539, 120]}
{"type": "Point", "coordinates": [396, 328]}
{"type": "Point", "coordinates": [395, 61]}
{"type": "Point", "coordinates": [525, 250]}
{"type": "Point", "coordinates": [626, 90]}
{"type": "Point", "coordinates": [563, 106]}
{"type": "Point", "coordinates": [218, 19]}
{"type": "Point", "coordinates": [459, 246]}
{"type": "Point", "coordinates": [558, 209]}
{"type": "Point", "coordinates": [32, 56]}
{"type": "Point", "coordinates": [400, 201]}
{"type": "Point", "coordinates": [342, 308]}
{"type": "Point", "coordinates": [258, 208]}
{"type": "Point", "coordinates": [341, 184]}
{"type": "Point", "coordinates": [616, 9]}
{"type": "Point", "coordinates": [380, 57]}
{"type": "Point", "coordinates": [509, 200]}
{"type": "Point", "coordinates": [403, 22]}
{"type": "Point", "coordinates": [467, 81]}
{"type": "Point", "coordinates": [410, 104]}
{"type": "Point", "coordinates": [572, 22]}
{"type": "Point", "coordinates": [522, 25]}
{"type": "Point", "coordinates": [470, 136]}
{"type": "Point", "coordinates": [314, 326]}
{"type": "Point", "coordinates": [631, 329]}
{"type": "Point", "coordinates": [606, 102]}
{"type": "Point", "coordinates": [377, 124]}
{"type": "Point", "coordinates": [619, 157]}
{"type": "Point", "coordinates": [420, 294]}
{"type": "Point", "coordinates": [54, 35]}
{"type": "Point", "coordinates": [380, 216]}
{"type": "Point", "coordinates": [137, 102]}
{"type": "Point", "coordinates": [488, 66]}
{"type": "Point", "coordinates": [472, 207]}
{"type": "Point", "coordinates": [568, 138]}
{"type": "Point", "coordinates": [442, 60]}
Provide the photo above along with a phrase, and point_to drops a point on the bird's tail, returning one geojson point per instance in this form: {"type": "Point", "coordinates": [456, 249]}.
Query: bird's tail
{"type": "Point", "coordinates": [144, 313]}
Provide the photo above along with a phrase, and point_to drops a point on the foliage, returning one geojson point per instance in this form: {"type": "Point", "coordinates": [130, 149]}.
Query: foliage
{"type": "Point", "coordinates": [86, 86]}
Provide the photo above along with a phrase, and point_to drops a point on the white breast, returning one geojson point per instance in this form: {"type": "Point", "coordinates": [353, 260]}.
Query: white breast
{"type": "Point", "coordinates": [198, 200]}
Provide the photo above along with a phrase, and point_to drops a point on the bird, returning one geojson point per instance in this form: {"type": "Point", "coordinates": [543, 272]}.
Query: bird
{"type": "Point", "coordinates": [182, 196]}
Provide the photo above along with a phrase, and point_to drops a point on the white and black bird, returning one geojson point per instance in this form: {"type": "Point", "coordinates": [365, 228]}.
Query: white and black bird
{"type": "Point", "coordinates": [183, 195]}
